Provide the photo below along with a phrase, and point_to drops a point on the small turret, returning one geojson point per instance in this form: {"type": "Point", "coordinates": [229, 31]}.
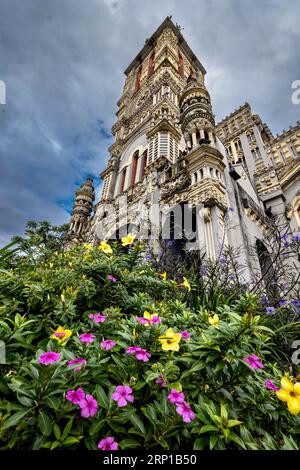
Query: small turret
{"type": "Point", "coordinates": [197, 120]}
{"type": "Point", "coordinates": [82, 208]}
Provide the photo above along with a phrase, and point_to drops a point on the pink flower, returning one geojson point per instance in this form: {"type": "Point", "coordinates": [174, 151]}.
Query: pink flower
{"type": "Point", "coordinates": [112, 278]}
{"type": "Point", "coordinates": [49, 357]}
{"type": "Point", "coordinates": [133, 349]}
{"type": "Point", "coordinates": [184, 410]}
{"type": "Point", "coordinates": [89, 406]}
{"type": "Point", "coordinates": [97, 317]}
{"type": "Point", "coordinates": [108, 344]}
{"type": "Point", "coordinates": [108, 444]}
{"type": "Point", "coordinates": [75, 396]}
{"type": "Point", "coordinates": [160, 381]}
{"type": "Point", "coordinates": [122, 395]}
{"type": "Point", "coordinates": [269, 384]}
{"type": "Point", "coordinates": [254, 362]}
{"type": "Point", "coordinates": [175, 396]}
{"type": "Point", "coordinates": [142, 320]}
{"type": "Point", "coordinates": [155, 319]}
{"type": "Point", "coordinates": [142, 355]}
{"type": "Point", "coordinates": [87, 338]}
{"type": "Point", "coordinates": [185, 335]}
{"type": "Point", "coordinates": [78, 360]}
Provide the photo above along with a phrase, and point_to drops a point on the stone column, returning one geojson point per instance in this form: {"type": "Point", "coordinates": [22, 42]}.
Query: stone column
{"type": "Point", "coordinates": [194, 139]}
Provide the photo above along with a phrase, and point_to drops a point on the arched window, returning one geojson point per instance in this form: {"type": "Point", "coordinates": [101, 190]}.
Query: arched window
{"type": "Point", "coordinates": [180, 65]}
{"type": "Point", "coordinates": [134, 164]}
{"type": "Point", "coordinates": [151, 64]}
{"type": "Point", "coordinates": [138, 79]}
{"type": "Point", "coordinates": [123, 180]}
{"type": "Point", "coordinates": [144, 162]}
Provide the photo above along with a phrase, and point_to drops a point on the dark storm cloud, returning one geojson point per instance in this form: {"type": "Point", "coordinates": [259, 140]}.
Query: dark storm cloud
{"type": "Point", "coordinates": [63, 62]}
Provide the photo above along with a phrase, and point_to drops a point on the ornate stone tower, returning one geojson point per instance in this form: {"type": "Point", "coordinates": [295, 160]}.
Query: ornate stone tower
{"type": "Point", "coordinates": [82, 208]}
{"type": "Point", "coordinates": [168, 153]}
{"type": "Point", "coordinates": [166, 150]}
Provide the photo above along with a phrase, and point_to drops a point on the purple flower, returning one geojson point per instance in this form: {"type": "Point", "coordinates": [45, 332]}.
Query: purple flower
{"type": "Point", "coordinates": [89, 406]}
{"type": "Point", "coordinates": [175, 396]}
{"type": "Point", "coordinates": [270, 310]}
{"type": "Point", "coordinates": [161, 381]}
{"type": "Point", "coordinates": [230, 209]}
{"type": "Point", "coordinates": [282, 302]}
{"type": "Point", "coordinates": [185, 335]}
{"type": "Point", "coordinates": [203, 271]}
{"type": "Point", "coordinates": [97, 317]}
{"type": "Point", "coordinates": [112, 278]}
{"type": "Point", "coordinates": [265, 300]}
{"type": "Point", "coordinates": [87, 338]}
{"type": "Point", "coordinates": [296, 237]}
{"type": "Point", "coordinates": [133, 349]}
{"type": "Point", "coordinates": [269, 384]}
{"type": "Point", "coordinates": [122, 395]}
{"type": "Point", "coordinates": [108, 344]}
{"type": "Point", "coordinates": [184, 410]}
{"type": "Point", "coordinates": [142, 320]}
{"type": "Point", "coordinates": [78, 360]}
{"type": "Point", "coordinates": [49, 357]}
{"type": "Point", "coordinates": [108, 444]}
{"type": "Point", "coordinates": [295, 303]}
{"type": "Point", "coordinates": [75, 396]}
{"type": "Point", "coordinates": [142, 355]}
{"type": "Point", "coordinates": [254, 362]}
{"type": "Point", "coordinates": [222, 260]}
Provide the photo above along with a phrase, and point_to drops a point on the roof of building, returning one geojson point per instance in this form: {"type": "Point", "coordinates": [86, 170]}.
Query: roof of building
{"type": "Point", "coordinates": [167, 23]}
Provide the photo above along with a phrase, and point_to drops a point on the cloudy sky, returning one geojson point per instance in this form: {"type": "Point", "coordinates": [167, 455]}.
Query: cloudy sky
{"type": "Point", "coordinates": [63, 62]}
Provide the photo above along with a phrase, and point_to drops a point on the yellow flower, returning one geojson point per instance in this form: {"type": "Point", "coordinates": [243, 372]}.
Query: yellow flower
{"type": "Point", "coordinates": [134, 333]}
{"type": "Point", "coordinates": [164, 276]}
{"type": "Point", "coordinates": [128, 240]}
{"type": "Point", "coordinates": [105, 247]}
{"type": "Point", "coordinates": [214, 320]}
{"type": "Point", "coordinates": [87, 246]}
{"type": "Point", "coordinates": [290, 393]}
{"type": "Point", "coordinates": [170, 340]}
{"type": "Point", "coordinates": [186, 284]}
{"type": "Point", "coordinates": [61, 335]}
{"type": "Point", "coordinates": [148, 315]}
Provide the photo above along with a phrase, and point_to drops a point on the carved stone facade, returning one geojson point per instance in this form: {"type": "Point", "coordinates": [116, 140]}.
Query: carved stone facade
{"type": "Point", "coordinates": [169, 151]}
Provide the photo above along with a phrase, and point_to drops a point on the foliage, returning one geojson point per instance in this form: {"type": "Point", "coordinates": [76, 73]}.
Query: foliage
{"type": "Point", "coordinates": [232, 406]}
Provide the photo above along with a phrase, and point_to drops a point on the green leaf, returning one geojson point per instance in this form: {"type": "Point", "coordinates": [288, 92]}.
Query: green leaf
{"type": "Point", "coordinates": [213, 439]}
{"type": "Point", "coordinates": [70, 440]}
{"type": "Point", "coordinates": [102, 397]}
{"type": "Point", "coordinates": [233, 422]}
{"type": "Point", "coordinates": [53, 402]}
{"type": "Point", "coordinates": [129, 444]}
{"type": "Point", "coordinates": [26, 401]}
{"type": "Point", "coordinates": [235, 438]}
{"type": "Point", "coordinates": [67, 429]}
{"type": "Point", "coordinates": [138, 424]}
{"type": "Point", "coordinates": [44, 423]}
{"type": "Point", "coordinates": [200, 443]}
{"type": "Point", "coordinates": [208, 428]}
{"type": "Point", "coordinates": [57, 432]}
{"type": "Point", "coordinates": [15, 419]}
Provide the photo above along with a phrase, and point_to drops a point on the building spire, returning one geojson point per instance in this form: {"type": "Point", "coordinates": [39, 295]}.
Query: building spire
{"type": "Point", "coordinates": [82, 208]}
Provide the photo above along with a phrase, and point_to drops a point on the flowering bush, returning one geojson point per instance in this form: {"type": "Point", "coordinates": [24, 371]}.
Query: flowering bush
{"type": "Point", "coordinates": [129, 362]}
